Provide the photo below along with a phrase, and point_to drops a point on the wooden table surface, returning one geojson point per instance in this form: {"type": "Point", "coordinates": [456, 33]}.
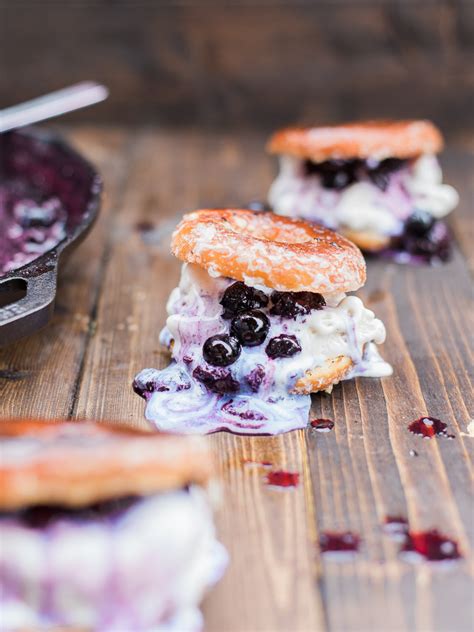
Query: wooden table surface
{"type": "Point", "coordinates": [110, 308]}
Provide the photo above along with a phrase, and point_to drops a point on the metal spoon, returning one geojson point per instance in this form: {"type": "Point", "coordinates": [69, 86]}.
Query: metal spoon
{"type": "Point", "coordinates": [55, 103]}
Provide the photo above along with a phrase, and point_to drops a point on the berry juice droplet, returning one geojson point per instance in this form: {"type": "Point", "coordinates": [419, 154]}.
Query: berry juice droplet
{"type": "Point", "coordinates": [396, 527]}
{"type": "Point", "coordinates": [283, 479]}
{"type": "Point", "coordinates": [322, 425]}
{"type": "Point", "coordinates": [339, 546]}
{"type": "Point", "coordinates": [431, 546]}
{"type": "Point", "coordinates": [429, 427]}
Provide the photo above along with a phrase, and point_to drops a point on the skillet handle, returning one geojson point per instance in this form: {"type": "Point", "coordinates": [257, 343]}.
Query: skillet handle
{"type": "Point", "coordinates": [33, 310]}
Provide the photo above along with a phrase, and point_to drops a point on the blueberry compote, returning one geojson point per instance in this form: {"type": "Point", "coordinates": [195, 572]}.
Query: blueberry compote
{"type": "Point", "coordinates": [30, 224]}
{"type": "Point", "coordinates": [238, 352]}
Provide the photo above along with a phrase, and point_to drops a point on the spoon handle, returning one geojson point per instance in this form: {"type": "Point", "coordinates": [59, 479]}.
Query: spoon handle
{"type": "Point", "coordinates": [55, 103]}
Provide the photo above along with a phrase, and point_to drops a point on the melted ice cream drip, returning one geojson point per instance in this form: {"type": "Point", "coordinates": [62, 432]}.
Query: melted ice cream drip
{"type": "Point", "coordinates": [144, 568]}
{"type": "Point", "coordinates": [252, 395]}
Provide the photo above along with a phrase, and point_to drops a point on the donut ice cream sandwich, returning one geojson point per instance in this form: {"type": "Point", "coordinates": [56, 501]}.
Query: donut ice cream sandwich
{"type": "Point", "coordinates": [379, 183]}
{"type": "Point", "coordinates": [259, 321]}
{"type": "Point", "coordinates": [103, 529]}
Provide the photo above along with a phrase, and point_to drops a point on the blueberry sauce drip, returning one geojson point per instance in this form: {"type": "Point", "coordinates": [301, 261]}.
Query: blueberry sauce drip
{"type": "Point", "coordinates": [429, 427]}
{"type": "Point", "coordinates": [281, 478]}
{"type": "Point", "coordinates": [338, 174]}
{"type": "Point", "coordinates": [322, 425]}
{"type": "Point", "coordinates": [41, 516]}
{"type": "Point", "coordinates": [431, 546]}
{"type": "Point", "coordinates": [339, 544]}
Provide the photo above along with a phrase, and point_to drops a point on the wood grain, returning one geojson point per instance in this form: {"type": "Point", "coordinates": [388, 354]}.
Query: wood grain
{"type": "Point", "coordinates": [243, 63]}
{"type": "Point", "coordinates": [112, 306]}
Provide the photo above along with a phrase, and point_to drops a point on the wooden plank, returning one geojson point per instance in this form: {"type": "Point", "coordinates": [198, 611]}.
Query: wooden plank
{"type": "Point", "coordinates": [351, 478]}
{"type": "Point", "coordinates": [365, 470]}
{"type": "Point", "coordinates": [263, 529]}
{"type": "Point", "coordinates": [38, 375]}
{"type": "Point", "coordinates": [249, 63]}
{"type": "Point", "coordinates": [458, 168]}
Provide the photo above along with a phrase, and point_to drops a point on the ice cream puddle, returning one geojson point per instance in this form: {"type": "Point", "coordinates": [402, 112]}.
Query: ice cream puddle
{"type": "Point", "coordinates": [239, 351]}
{"type": "Point", "coordinates": [29, 225]}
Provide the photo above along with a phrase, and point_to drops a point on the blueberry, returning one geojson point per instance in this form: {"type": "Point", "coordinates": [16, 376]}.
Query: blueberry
{"type": "Point", "coordinates": [284, 304]}
{"type": "Point", "coordinates": [251, 328]}
{"type": "Point", "coordinates": [380, 174]}
{"type": "Point", "coordinates": [419, 223]}
{"type": "Point", "coordinates": [291, 304]}
{"type": "Point", "coordinates": [433, 243]}
{"type": "Point", "coordinates": [338, 174]}
{"type": "Point", "coordinates": [283, 346]}
{"type": "Point", "coordinates": [239, 298]}
{"type": "Point", "coordinates": [216, 380]}
{"type": "Point", "coordinates": [309, 300]}
{"type": "Point", "coordinates": [221, 350]}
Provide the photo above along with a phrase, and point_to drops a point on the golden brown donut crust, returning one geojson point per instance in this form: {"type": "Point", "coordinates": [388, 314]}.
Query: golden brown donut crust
{"type": "Point", "coordinates": [367, 139]}
{"type": "Point", "coordinates": [367, 240]}
{"type": "Point", "coordinates": [79, 463]}
{"type": "Point", "coordinates": [323, 377]}
{"type": "Point", "coordinates": [282, 253]}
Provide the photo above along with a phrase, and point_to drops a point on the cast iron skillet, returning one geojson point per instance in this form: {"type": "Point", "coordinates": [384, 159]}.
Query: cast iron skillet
{"type": "Point", "coordinates": [27, 294]}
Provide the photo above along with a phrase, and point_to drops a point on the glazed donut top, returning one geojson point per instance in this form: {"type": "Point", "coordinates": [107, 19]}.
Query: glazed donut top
{"type": "Point", "coordinates": [370, 139]}
{"type": "Point", "coordinates": [79, 463]}
{"type": "Point", "coordinates": [278, 252]}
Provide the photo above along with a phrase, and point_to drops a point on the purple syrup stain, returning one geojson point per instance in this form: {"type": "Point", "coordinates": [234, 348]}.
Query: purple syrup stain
{"type": "Point", "coordinates": [430, 546]}
{"type": "Point", "coordinates": [429, 427]}
{"type": "Point", "coordinates": [339, 545]}
{"type": "Point", "coordinates": [322, 425]}
{"type": "Point", "coordinates": [282, 478]}
{"type": "Point", "coordinates": [396, 527]}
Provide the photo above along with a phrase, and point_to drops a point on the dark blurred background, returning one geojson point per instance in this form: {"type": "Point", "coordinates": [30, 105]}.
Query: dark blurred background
{"type": "Point", "coordinates": [247, 64]}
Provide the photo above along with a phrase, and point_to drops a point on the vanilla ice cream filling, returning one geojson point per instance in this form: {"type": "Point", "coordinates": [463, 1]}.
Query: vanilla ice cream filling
{"type": "Point", "coordinates": [362, 206]}
{"type": "Point", "coordinates": [145, 570]}
{"type": "Point", "coordinates": [343, 328]}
